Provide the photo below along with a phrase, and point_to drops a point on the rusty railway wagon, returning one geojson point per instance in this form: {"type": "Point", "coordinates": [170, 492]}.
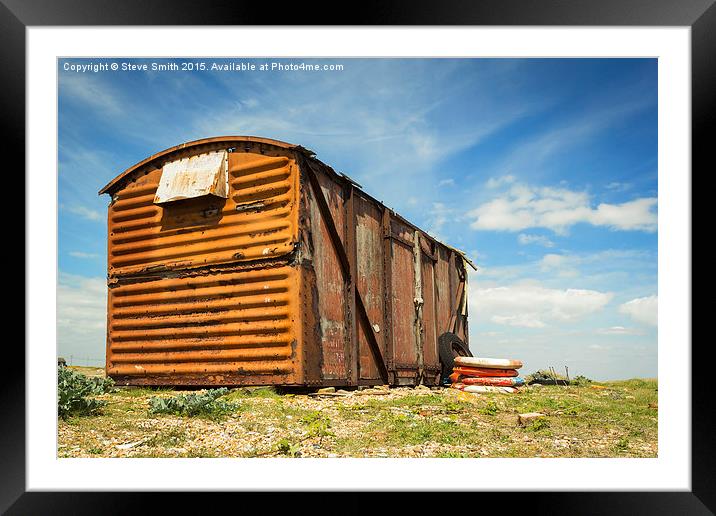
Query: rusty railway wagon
{"type": "Point", "coordinates": [247, 261]}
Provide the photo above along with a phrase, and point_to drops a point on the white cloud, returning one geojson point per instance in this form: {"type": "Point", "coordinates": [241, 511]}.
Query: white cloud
{"type": "Point", "coordinates": [610, 269]}
{"type": "Point", "coordinates": [526, 239]}
{"type": "Point", "coordinates": [92, 92]}
{"type": "Point", "coordinates": [553, 141]}
{"type": "Point", "coordinates": [531, 305]}
{"type": "Point", "coordinates": [522, 320]}
{"type": "Point", "coordinates": [447, 182]}
{"type": "Point", "coordinates": [495, 182]}
{"type": "Point", "coordinates": [84, 212]}
{"type": "Point", "coordinates": [619, 330]}
{"type": "Point", "coordinates": [553, 261]}
{"type": "Point", "coordinates": [439, 216]}
{"type": "Point", "coordinates": [525, 206]}
{"type": "Point", "coordinates": [562, 264]}
{"type": "Point", "coordinates": [643, 310]}
{"type": "Point", "coordinates": [81, 315]}
{"type": "Point", "coordinates": [80, 254]}
{"type": "Point", "coordinates": [619, 187]}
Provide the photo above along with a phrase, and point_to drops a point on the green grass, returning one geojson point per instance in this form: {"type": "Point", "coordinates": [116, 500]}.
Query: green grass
{"type": "Point", "coordinates": [619, 420]}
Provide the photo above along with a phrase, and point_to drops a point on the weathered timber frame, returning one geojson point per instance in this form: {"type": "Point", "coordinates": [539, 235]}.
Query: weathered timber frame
{"type": "Point", "coordinates": [454, 318]}
{"type": "Point", "coordinates": [347, 259]}
{"type": "Point", "coordinates": [356, 313]}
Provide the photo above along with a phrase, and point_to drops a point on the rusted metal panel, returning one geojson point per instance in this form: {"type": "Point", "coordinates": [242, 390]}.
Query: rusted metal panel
{"type": "Point", "coordinates": [429, 323]}
{"type": "Point", "coordinates": [296, 277]}
{"type": "Point", "coordinates": [403, 296]}
{"type": "Point", "coordinates": [224, 324]}
{"type": "Point", "coordinates": [385, 226]}
{"type": "Point", "coordinates": [330, 281]}
{"type": "Point", "coordinates": [370, 281]}
{"type": "Point", "coordinates": [352, 322]}
{"type": "Point", "coordinates": [256, 221]}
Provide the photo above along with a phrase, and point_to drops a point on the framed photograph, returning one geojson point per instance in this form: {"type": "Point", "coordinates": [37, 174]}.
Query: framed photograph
{"type": "Point", "coordinates": [440, 250]}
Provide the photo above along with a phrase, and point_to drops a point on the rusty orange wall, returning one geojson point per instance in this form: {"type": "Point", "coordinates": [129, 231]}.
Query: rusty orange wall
{"type": "Point", "coordinates": [186, 302]}
{"type": "Point", "coordinates": [207, 230]}
{"type": "Point", "coordinates": [222, 327]}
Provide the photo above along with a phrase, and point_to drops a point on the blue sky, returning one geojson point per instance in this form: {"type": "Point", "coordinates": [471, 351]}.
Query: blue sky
{"type": "Point", "coordinates": [543, 170]}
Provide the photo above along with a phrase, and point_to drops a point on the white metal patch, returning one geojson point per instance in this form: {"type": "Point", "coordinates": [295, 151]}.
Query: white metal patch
{"type": "Point", "coordinates": [195, 176]}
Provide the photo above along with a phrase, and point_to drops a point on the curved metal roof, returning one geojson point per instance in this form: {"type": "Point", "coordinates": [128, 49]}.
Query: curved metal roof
{"type": "Point", "coordinates": [217, 139]}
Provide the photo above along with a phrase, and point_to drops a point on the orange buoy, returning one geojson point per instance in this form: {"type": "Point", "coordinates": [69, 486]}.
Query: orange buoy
{"type": "Point", "coordinates": [481, 371]}
{"type": "Point", "coordinates": [499, 381]}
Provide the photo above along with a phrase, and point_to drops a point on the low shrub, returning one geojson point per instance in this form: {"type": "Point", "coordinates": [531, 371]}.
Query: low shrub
{"type": "Point", "coordinates": [206, 403]}
{"type": "Point", "coordinates": [318, 425]}
{"type": "Point", "coordinates": [538, 424]}
{"type": "Point", "coordinates": [75, 391]}
{"type": "Point", "coordinates": [490, 409]}
{"type": "Point", "coordinates": [543, 375]}
{"type": "Point", "coordinates": [286, 447]}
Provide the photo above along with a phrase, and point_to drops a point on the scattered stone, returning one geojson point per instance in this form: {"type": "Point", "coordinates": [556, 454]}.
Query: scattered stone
{"type": "Point", "coordinates": [422, 388]}
{"type": "Point", "coordinates": [330, 391]}
{"type": "Point", "coordinates": [523, 419]}
{"type": "Point", "coordinates": [372, 392]}
{"type": "Point", "coordinates": [127, 446]}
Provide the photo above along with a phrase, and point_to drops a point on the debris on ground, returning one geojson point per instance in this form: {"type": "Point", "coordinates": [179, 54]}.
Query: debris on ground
{"type": "Point", "coordinates": [330, 391]}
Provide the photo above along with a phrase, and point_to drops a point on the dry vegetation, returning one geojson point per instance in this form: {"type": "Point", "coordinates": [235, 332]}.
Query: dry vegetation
{"type": "Point", "coordinates": [615, 419]}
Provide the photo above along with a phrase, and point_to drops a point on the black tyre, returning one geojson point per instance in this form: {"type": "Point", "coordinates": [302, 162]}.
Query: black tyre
{"type": "Point", "coordinates": [450, 346]}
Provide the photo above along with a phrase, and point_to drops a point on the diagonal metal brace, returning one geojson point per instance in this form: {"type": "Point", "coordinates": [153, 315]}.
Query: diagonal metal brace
{"type": "Point", "coordinates": [345, 267]}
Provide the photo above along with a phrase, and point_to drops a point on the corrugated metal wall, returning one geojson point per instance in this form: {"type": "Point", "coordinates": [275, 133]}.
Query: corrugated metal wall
{"type": "Point", "coordinates": [185, 304]}
{"type": "Point", "coordinates": [222, 323]}
{"type": "Point", "coordinates": [257, 221]}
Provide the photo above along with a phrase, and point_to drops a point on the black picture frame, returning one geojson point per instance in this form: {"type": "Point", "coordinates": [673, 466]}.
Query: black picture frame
{"type": "Point", "coordinates": [699, 15]}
